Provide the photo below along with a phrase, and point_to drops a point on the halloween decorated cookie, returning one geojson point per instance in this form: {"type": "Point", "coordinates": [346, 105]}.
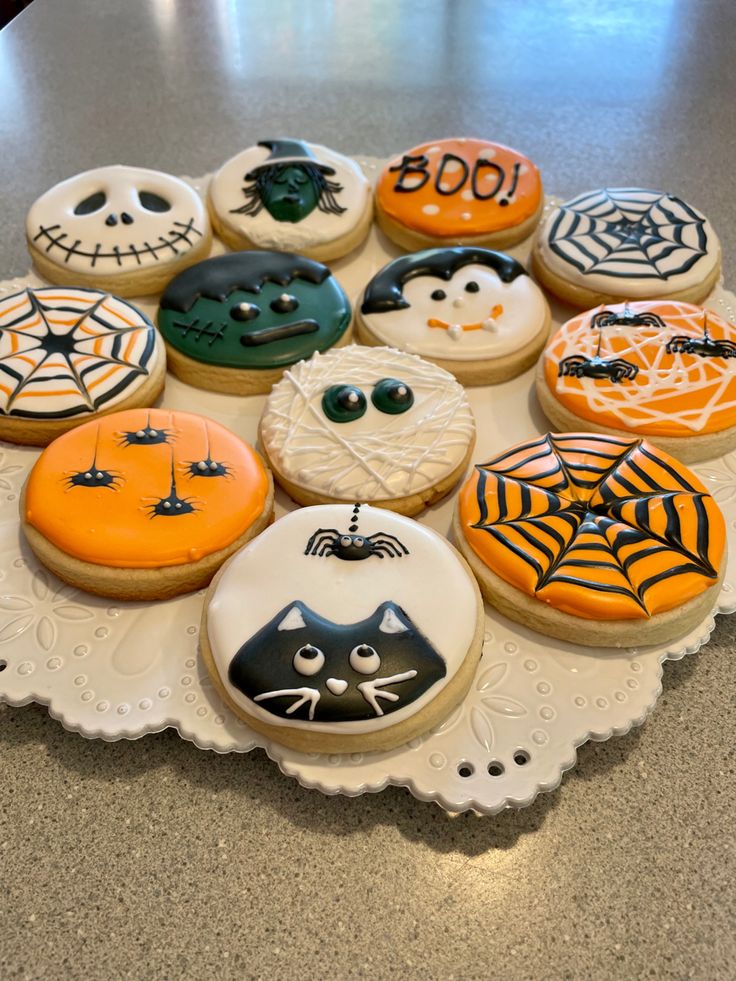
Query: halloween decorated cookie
{"type": "Point", "coordinates": [370, 424]}
{"type": "Point", "coordinates": [627, 243]}
{"type": "Point", "coordinates": [69, 354]}
{"type": "Point", "coordinates": [291, 196]}
{"type": "Point", "coordinates": [234, 322]}
{"type": "Point", "coordinates": [654, 368]}
{"type": "Point", "coordinates": [459, 192]}
{"type": "Point", "coordinates": [343, 628]}
{"type": "Point", "coordinates": [603, 539]}
{"type": "Point", "coordinates": [125, 230]}
{"type": "Point", "coordinates": [144, 504]}
{"type": "Point", "coordinates": [474, 312]}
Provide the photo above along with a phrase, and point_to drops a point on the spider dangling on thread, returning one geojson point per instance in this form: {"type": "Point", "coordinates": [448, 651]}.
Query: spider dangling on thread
{"type": "Point", "coordinates": [351, 546]}
{"type": "Point", "coordinates": [172, 504]}
{"type": "Point", "coordinates": [615, 369]}
{"type": "Point", "coordinates": [93, 476]}
{"type": "Point", "coordinates": [704, 347]}
{"type": "Point", "coordinates": [146, 436]}
{"type": "Point", "coordinates": [207, 467]}
{"type": "Point", "coordinates": [609, 318]}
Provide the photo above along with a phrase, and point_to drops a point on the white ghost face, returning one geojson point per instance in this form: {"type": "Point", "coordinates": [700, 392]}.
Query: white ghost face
{"type": "Point", "coordinates": [117, 219]}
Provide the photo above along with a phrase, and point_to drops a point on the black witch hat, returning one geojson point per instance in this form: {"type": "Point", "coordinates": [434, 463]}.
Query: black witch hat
{"type": "Point", "coordinates": [287, 152]}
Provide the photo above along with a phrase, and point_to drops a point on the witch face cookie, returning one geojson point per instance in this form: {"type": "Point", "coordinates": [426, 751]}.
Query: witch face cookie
{"type": "Point", "coordinates": [459, 192]}
{"type": "Point", "coordinates": [625, 244]}
{"type": "Point", "coordinates": [291, 196]}
{"type": "Point", "coordinates": [473, 311]}
{"type": "Point", "coordinates": [144, 504]}
{"type": "Point", "coordinates": [122, 229]}
{"type": "Point", "coordinates": [233, 322]}
{"type": "Point", "coordinates": [343, 627]}
{"type": "Point", "coordinates": [367, 423]}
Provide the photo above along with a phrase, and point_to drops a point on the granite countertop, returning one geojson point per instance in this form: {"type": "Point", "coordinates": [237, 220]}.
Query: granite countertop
{"type": "Point", "coordinates": [153, 859]}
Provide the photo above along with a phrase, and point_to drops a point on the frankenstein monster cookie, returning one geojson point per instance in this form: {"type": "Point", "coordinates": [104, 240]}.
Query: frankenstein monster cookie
{"type": "Point", "coordinates": [69, 354]}
{"type": "Point", "coordinates": [369, 424]}
{"type": "Point", "coordinates": [293, 196]}
{"type": "Point", "coordinates": [144, 504]}
{"type": "Point", "coordinates": [122, 229]}
{"type": "Point", "coordinates": [343, 628]}
{"type": "Point", "coordinates": [234, 322]}
{"type": "Point", "coordinates": [605, 540]}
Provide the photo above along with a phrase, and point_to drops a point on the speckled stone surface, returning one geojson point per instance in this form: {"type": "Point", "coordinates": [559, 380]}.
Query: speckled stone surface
{"type": "Point", "coordinates": [156, 860]}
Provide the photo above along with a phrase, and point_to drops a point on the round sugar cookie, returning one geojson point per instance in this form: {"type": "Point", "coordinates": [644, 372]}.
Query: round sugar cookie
{"type": "Point", "coordinates": [653, 368]}
{"type": "Point", "coordinates": [370, 424]}
{"type": "Point", "coordinates": [604, 540]}
{"type": "Point", "coordinates": [291, 196]}
{"type": "Point", "coordinates": [232, 323]}
{"type": "Point", "coordinates": [471, 311]}
{"type": "Point", "coordinates": [626, 243]}
{"type": "Point", "coordinates": [69, 354]}
{"type": "Point", "coordinates": [126, 230]}
{"type": "Point", "coordinates": [144, 504]}
{"type": "Point", "coordinates": [343, 628]}
{"type": "Point", "coordinates": [459, 192]}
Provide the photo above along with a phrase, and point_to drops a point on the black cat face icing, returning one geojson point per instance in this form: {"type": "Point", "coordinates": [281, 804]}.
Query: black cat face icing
{"type": "Point", "coordinates": [303, 666]}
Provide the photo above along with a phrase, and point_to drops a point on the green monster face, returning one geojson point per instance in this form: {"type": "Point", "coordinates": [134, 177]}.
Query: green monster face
{"type": "Point", "coordinates": [253, 310]}
{"type": "Point", "coordinates": [291, 194]}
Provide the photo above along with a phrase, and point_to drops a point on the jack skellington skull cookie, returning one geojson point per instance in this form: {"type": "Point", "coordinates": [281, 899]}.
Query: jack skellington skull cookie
{"type": "Point", "coordinates": [627, 243]}
{"type": "Point", "coordinates": [233, 322]}
{"type": "Point", "coordinates": [144, 504]}
{"type": "Point", "coordinates": [291, 196]}
{"type": "Point", "coordinates": [123, 229]}
{"type": "Point", "coordinates": [343, 628]}
{"type": "Point", "coordinates": [472, 311]}
{"type": "Point", "coordinates": [459, 192]}
{"type": "Point", "coordinates": [69, 354]}
{"type": "Point", "coordinates": [370, 424]}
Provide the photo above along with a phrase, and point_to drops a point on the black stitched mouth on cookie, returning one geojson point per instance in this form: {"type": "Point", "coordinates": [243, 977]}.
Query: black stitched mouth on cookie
{"type": "Point", "coordinates": [279, 332]}
{"type": "Point", "coordinates": [178, 234]}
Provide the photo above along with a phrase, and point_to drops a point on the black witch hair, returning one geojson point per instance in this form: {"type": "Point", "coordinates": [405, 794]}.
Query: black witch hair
{"type": "Point", "coordinates": [385, 290]}
{"type": "Point", "coordinates": [351, 546]}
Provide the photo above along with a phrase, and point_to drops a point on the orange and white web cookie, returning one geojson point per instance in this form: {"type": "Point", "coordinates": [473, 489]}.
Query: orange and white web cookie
{"type": "Point", "coordinates": [459, 192]}
{"type": "Point", "coordinates": [654, 368]}
{"type": "Point", "coordinates": [604, 540]}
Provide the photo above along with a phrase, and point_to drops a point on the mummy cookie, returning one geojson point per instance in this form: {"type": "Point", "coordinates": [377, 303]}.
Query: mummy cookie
{"type": "Point", "coordinates": [68, 354]}
{"type": "Point", "coordinates": [144, 504]}
{"type": "Point", "coordinates": [474, 312]}
{"type": "Point", "coordinates": [459, 192]}
{"type": "Point", "coordinates": [122, 229]}
{"type": "Point", "coordinates": [234, 322]}
{"type": "Point", "coordinates": [658, 368]}
{"type": "Point", "coordinates": [627, 243]}
{"type": "Point", "coordinates": [367, 423]}
{"type": "Point", "coordinates": [291, 196]}
{"type": "Point", "coordinates": [602, 539]}
{"type": "Point", "coordinates": [343, 628]}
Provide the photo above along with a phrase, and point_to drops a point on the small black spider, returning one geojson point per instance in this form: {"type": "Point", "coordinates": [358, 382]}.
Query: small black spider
{"type": "Point", "coordinates": [93, 476]}
{"type": "Point", "coordinates": [616, 369]}
{"type": "Point", "coordinates": [207, 467]}
{"type": "Point", "coordinates": [148, 435]}
{"type": "Point", "coordinates": [703, 346]}
{"type": "Point", "coordinates": [172, 505]}
{"type": "Point", "coordinates": [607, 318]}
{"type": "Point", "coordinates": [351, 547]}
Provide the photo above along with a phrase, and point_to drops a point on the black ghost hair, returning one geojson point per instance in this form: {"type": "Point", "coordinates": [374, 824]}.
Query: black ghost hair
{"type": "Point", "coordinates": [218, 277]}
{"type": "Point", "coordinates": [385, 290]}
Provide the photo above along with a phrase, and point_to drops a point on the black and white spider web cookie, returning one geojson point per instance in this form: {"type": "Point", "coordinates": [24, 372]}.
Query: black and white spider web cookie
{"type": "Point", "coordinates": [627, 243]}
{"type": "Point", "coordinates": [122, 229]}
{"type": "Point", "coordinates": [343, 628]}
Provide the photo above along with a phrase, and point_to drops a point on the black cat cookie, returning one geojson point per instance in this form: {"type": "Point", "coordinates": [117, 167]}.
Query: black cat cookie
{"type": "Point", "coordinates": [343, 628]}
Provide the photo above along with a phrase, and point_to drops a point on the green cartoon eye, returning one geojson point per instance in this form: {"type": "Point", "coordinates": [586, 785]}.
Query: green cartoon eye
{"type": "Point", "coordinates": [392, 396]}
{"type": "Point", "coordinates": [343, 403]}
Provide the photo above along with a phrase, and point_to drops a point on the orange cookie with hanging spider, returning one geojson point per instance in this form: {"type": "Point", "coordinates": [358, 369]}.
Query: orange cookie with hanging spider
{"type": "Point", "coordinates": [144, 504]}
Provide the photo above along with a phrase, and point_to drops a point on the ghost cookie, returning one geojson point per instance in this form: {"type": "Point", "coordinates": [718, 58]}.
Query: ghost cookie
{"type": "Point", "coordinates": [627, 243]}
{"type": "Point", "coordinates": [144, 504]}
{"type": "Point", "coordinates": [291, 196]}
{"type": "Point", "coordinates": [234, 322]}
{"type": "Point", "coordinates": [121, 229]}
{"type": "Point", "coordinates": [604, 540]}
{"type": "Point", "coordinates": [69, 354]}
{"type": "Point", "coordinates": [654, 368]}
{"type": "Point", "coordinates": [471, 311]}
{"type": "Point", "coordinates": [459, 192]}
{"type": "Point", "coordinates": [343, 628]}
{"type": "Point", "coordinates": [367, 423]}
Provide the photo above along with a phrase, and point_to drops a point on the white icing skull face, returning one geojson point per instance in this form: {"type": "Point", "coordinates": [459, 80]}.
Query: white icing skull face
{"type": "Point", "coordinates": [117, 219]}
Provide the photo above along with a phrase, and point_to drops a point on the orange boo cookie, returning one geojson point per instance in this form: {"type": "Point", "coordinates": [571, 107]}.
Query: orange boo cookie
{"type": "Point", "coordinates": [460, 187]}
{"type": "Point", "coordinates": [145, 489]}
{"type": "Point", "coordinates": [598, 527]}
{"type": "Point", "coordinates": [657, 368]}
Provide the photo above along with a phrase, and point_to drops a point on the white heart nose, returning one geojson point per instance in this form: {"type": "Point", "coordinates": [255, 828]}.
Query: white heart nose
{"type": "Point", "coordinates": [336, 685]}
{"type": "Point", "coordinates": [458, 302]}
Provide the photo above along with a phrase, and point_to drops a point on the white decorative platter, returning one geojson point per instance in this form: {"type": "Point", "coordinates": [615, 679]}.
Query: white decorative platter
{"type": "Point", "coordinates": [120, 670]}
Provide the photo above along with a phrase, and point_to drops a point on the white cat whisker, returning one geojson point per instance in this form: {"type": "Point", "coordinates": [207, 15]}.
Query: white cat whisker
{"type": "Point", "coordinates": [301, 694]}
{"type": "Point", "coordinates": [371, 690]}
